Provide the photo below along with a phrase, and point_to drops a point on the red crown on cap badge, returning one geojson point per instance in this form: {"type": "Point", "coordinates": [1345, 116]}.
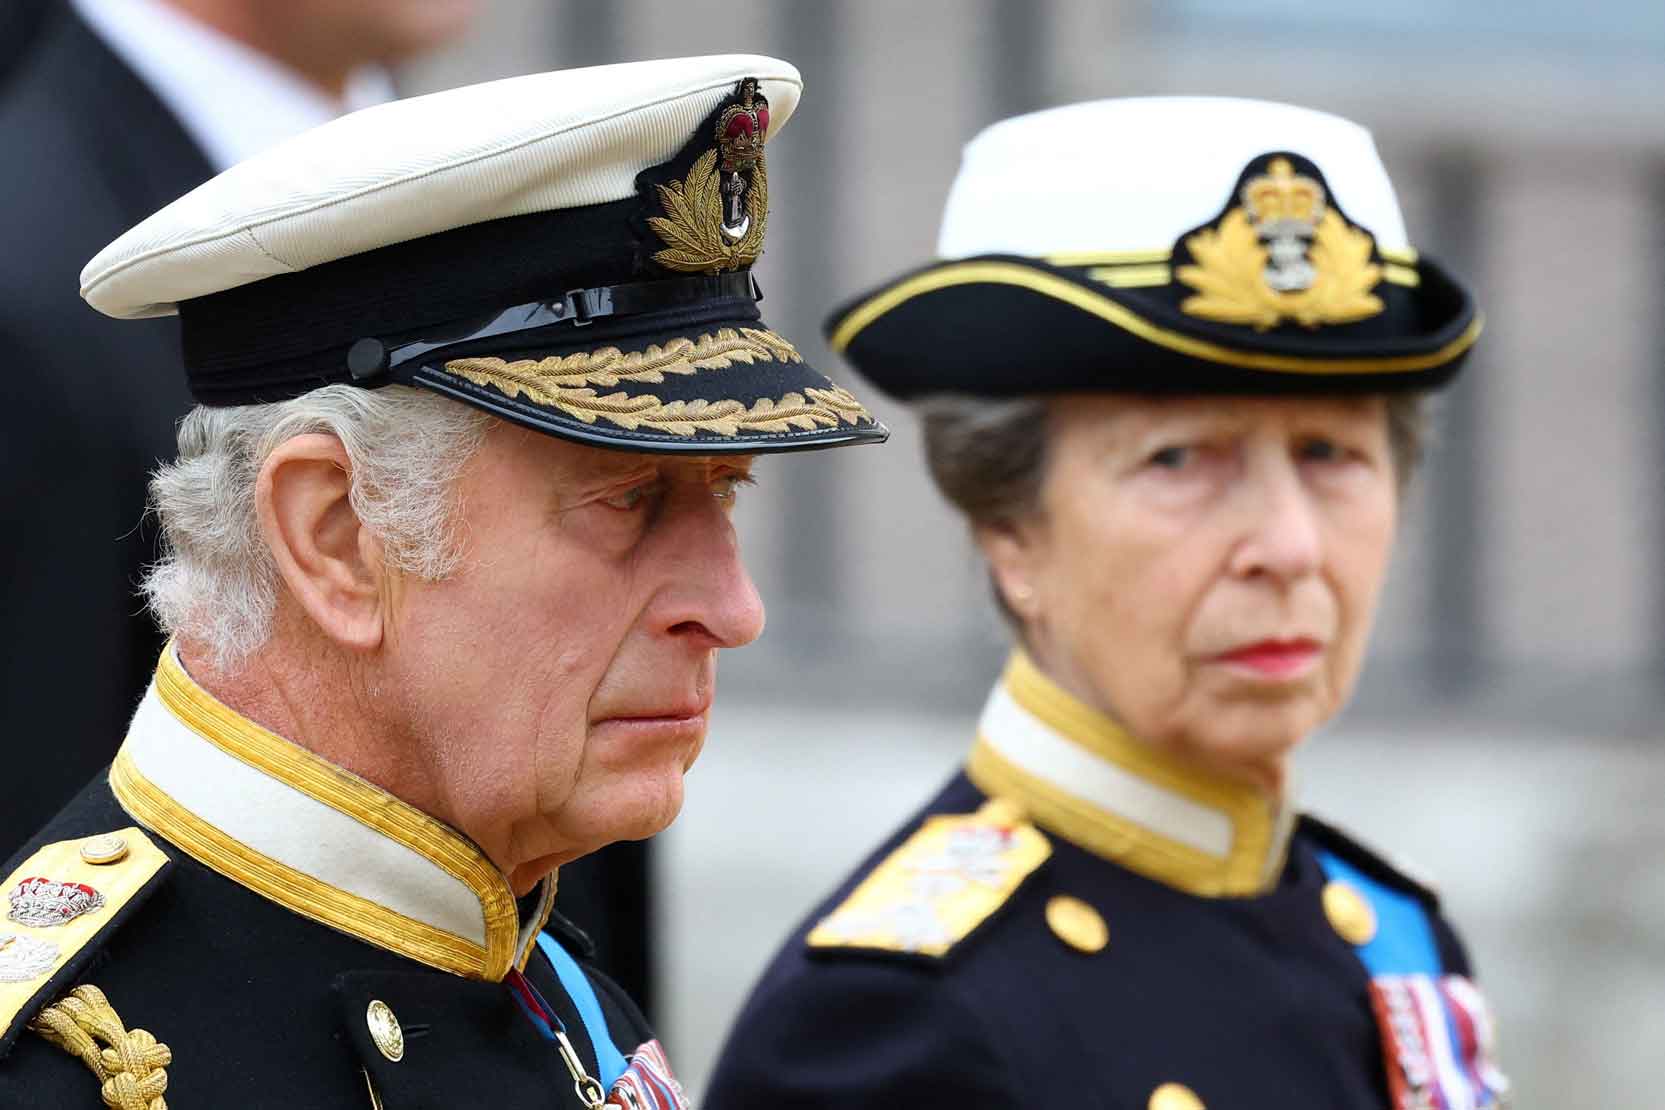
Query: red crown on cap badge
{"type": "Point", "coordinates": [743, 127]}
{"type": "Point", "coordinates": [42, 903]}
{"type": "Point", "coordinates": [714, 218]}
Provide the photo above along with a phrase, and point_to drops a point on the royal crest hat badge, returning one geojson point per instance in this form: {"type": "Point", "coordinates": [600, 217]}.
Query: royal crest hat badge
{"type": "Point", "coordinates": [714, 218]}
{"type": "Point", "coordinates": [1283, 252]}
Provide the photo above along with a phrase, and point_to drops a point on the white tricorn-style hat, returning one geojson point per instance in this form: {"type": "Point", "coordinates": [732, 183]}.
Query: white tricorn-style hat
{"type": "Point", "coordinates": [571, 251]}
{"type": "Point", "coordinates": [1166, 244]}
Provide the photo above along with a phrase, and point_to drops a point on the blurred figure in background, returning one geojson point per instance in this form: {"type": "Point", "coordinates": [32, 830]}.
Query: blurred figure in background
{"type": "Point", "coordinates": [111, 109]}
{"type": "Point", "coordinates": [1172, 365]}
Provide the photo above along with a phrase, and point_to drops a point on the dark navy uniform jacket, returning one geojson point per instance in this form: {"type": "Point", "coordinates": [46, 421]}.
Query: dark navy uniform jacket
{"type": "Point", "coordinates": [294, 936]}
{"type": "Point", "coordinates": [1115, 972]}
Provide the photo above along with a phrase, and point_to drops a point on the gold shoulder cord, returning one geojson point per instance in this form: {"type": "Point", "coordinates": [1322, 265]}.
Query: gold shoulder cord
{"type": "Point", "coordinates": [129, 1064]}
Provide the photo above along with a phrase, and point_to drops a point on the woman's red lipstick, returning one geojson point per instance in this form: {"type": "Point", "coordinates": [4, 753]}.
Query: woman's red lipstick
{"type": "Point", "coordinates": [1275, 659]}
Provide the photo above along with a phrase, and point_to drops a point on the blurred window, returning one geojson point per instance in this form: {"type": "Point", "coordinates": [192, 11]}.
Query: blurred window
{"type": "Point", "coordinates": [1630, 26]}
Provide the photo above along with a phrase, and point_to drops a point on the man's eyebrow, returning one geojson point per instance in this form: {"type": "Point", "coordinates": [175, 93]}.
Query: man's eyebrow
{"type": "Point", "coordinates": [618, 466]}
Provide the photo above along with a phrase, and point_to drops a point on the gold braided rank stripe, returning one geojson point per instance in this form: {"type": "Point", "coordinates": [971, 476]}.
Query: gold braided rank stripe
{"type": "Point", "coordinates": [1062, 289]}
{"type": "Point", "coordinates": [129, 1063]}
{"type": "Point", "coordinates": [566, 384]}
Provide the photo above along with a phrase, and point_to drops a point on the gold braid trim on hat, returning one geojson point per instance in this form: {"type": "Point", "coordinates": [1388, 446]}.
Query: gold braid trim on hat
{"type": "Point", "coordinates": [131, 1063]}
{"type": "Point", "coordinates": [565, 383]}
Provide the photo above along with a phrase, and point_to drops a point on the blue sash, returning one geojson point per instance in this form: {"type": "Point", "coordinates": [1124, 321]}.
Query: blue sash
{"type": "Point", "coordinates": [1436, 1029]}
{"type": "Point", "coordinates": [1404, 941]}
{"type": "Point", "coordinates": [609, 1060]}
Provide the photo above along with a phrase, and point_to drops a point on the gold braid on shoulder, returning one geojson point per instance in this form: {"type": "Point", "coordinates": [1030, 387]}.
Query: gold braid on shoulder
{"type": "Point", "coordinates": [128, 1063]}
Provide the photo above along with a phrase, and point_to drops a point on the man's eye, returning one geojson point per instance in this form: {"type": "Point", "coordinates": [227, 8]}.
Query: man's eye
{"type": "Point", "coordinates": [727, 488]}
{"type": "Point", "coordinates": [1171, 458]}
{"type": "Point", "coordinates": [633, 498]}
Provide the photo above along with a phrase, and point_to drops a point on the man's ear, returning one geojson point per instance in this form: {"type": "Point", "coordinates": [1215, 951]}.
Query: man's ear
{"type": "Point", "coordinates": [325, 555]}
{"type": "Point", "coordinates": [1010, 548]}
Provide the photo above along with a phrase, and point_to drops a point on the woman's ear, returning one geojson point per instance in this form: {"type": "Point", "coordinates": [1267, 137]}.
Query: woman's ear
{"type": "Point", "coordinates": [328, 560]}
{"type": "Point", "coordinates": [1011, 548]}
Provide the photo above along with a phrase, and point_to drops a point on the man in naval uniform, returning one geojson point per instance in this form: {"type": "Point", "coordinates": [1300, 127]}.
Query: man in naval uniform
{"type": "Point", "coordinates": [449, 559]}
{"type": "Point", "coordinates": [1171, 362]}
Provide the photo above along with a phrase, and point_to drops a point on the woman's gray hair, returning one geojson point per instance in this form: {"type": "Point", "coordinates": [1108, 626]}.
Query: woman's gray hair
{"type": "Point", "coordinates": [988, 457]}
{"type": "Point", "coordinates": [216, 582]}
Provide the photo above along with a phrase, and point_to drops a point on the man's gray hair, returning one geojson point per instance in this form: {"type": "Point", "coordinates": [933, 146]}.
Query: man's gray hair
{"type": "Point", "coordinates": [217, 583]}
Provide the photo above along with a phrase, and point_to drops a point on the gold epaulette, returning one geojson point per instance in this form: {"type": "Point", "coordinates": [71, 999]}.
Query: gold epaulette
{"type": "Point", "coordinates": [944, 881]}
{"type": "Point", "coordinates": [59, 907]}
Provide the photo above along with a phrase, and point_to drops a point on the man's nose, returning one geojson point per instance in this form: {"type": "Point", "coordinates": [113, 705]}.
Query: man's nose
{"type": "Point", "coordinates": [711, 596]}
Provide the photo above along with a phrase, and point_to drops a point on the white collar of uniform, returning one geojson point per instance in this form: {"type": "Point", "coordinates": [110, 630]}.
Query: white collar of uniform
{"type": "Point", "coordinates": [1083, 778]}
{"type": "Point", "coordinates": [314, 838]}
{"type": "Point", "coordinates": [232, 99]}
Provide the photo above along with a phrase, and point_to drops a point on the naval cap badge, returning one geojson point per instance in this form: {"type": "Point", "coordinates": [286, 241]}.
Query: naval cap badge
{"type": "Point", "coordinates": [741, 130]}
{"type": "Point", "coordinates": [42, 903]}
{"type": "Point", "coordinates": [1284, 252]}
{"type": "Point", "coordinates": [714, 217]}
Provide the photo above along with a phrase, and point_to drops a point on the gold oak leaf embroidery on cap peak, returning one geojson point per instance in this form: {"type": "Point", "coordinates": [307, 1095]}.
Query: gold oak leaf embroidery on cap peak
{"type": "Point", "coordinates": [807, 411]}
{"type": "Point", "coordinates": [608, 366]}
{"type": "Point", "coordinates": [566, 383]}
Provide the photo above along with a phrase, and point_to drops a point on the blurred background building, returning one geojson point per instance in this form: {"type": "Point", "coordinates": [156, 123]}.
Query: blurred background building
{"type": "Point", "coordinates": [1507, 733]}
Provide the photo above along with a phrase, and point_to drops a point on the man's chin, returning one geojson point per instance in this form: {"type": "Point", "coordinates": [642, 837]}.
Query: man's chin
{"type": "Point", "coordinates": [647, 809]}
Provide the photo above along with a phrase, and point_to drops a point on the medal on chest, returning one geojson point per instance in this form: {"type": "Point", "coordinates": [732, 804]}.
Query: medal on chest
{"type": "Point", "coordinates": [1438, 1043]}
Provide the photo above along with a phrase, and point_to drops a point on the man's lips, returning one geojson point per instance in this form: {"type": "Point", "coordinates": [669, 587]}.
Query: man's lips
{"type": "Point", "coordinates": [693, 710]}
{"type": "Point", "coordinates": [1274, 658]}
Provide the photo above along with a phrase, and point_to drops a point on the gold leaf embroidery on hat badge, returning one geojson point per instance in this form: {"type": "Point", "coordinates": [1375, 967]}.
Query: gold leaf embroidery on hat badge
{"type": "Point", "coordinates": [714, 218]}
{"type": "Point", "coordinates": [1283, 254]}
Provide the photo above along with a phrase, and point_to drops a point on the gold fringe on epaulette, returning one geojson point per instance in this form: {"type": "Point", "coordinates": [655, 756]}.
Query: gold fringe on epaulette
{"type": "Point", "coordinates": [129, 1063]}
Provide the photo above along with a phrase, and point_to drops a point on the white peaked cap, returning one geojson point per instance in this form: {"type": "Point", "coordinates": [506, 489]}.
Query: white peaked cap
{"type": "Point", "coordinates": [1135, 174]}
{"type": "Point", "coordinates": [570, 251]}
{"type": "Point", "coordinates": [420, 166]}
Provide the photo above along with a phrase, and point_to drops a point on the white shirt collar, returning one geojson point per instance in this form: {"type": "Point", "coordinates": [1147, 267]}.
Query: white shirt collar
{"type": "Point", "coordinates": [230, 98]}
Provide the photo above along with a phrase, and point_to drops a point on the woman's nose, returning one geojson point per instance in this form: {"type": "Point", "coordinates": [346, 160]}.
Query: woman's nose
{"type": "Point", "coordinates": [1282, 538]}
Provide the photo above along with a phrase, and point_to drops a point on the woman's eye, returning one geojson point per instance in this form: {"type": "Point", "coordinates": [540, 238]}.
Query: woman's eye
{"type": "Point", "coordinates": [1321, 450]}
{"type": "Point", "coordinates": [727, 488]}
{"type": "Point", "coordinates": [631, 499]}
{"type": "Point", "coordinates": [1171, 458]}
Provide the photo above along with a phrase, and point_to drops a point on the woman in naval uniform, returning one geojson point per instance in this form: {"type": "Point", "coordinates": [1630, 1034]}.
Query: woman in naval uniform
{"type": "Point", "coordinates": [1177, 399]}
